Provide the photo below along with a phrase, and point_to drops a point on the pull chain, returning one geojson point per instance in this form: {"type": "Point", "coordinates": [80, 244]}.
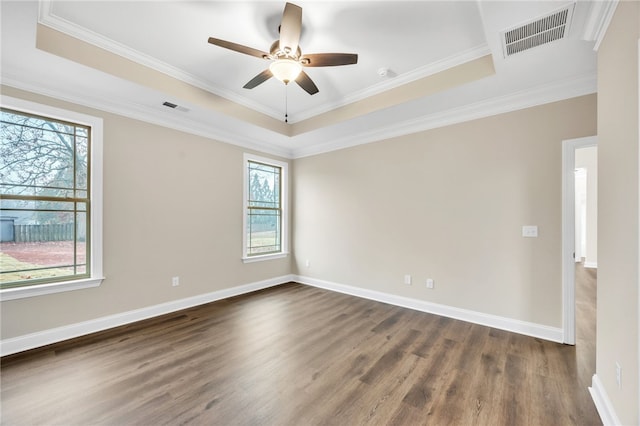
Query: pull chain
{"type": "Point", "coordinates": [286, 103]}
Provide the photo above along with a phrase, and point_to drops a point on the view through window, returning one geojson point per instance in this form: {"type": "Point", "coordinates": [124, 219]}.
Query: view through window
{"type": "Point", "coordinates": [45, 200]}
{"type": "Point", "coordinates": [263, 208]}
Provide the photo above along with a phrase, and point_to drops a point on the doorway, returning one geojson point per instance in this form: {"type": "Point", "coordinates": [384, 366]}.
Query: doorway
{"type": "Point", "coordinates": [586, 260]}
{"type": "Point", "coordinates": [576, 243]}
{"type": "Point", "coordinates": [579, 251]}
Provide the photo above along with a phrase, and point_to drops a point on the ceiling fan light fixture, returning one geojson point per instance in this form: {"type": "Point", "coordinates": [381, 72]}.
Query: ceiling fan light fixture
{"type": "Point", "coordinates": [286, 55]}
{"type": "Point", "coordinates": [285, 70]}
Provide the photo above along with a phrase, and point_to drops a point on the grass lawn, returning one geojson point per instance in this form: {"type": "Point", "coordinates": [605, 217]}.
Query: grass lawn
{"type": "Point", "coordinates": [9, 263]}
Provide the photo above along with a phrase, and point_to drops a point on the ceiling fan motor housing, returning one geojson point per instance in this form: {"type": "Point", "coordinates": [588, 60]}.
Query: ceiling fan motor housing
{"type": "Point", "coordinates": [276, 53]}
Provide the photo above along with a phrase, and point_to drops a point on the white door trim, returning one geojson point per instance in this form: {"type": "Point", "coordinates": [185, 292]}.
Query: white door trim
{"type": "Point", "coordinates": [569, 147]}
{"type": "Point", "coordinates": [638, 94]}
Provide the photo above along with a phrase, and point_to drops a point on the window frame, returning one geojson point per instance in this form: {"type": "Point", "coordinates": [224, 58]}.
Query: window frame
{"type": "Point", "coordinates": [95, 125]}
{"type": "Point", "coordinates": [284, 207]}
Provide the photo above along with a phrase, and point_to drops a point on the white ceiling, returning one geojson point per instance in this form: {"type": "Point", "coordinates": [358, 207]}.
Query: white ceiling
{"type": "Point", "coordinates": [413, 40]}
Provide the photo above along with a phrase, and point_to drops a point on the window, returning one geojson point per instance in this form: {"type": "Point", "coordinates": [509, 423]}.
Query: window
{"type": "Point", "coordinates": [50, 206]}
{"type": "Point", "coordinates": [265, 218]}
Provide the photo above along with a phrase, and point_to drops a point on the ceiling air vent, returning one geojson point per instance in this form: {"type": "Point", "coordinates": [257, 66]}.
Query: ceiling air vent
{"type": "Point", "coordinates": [175, 106]}
{"type": "Point", "coordinates": [546, 29]}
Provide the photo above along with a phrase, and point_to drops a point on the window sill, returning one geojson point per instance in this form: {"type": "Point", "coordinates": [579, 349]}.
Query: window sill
{"type": "Point", "coordinates": [42, 289]}
{"type": "Point", "coordinates": [264, 257]}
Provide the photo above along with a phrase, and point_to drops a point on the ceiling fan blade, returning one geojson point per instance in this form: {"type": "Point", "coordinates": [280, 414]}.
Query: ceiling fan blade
{"type": "Point", "coordinates": [290, 28]}
{"type": "Point", "coordinates": [239, 48]}
{"type": "Point", "coordinates": [329, 59]}
{"type": "Point", "coordinates": [306, 83]}
{"type": "Point", "coordinates": [259, 79]}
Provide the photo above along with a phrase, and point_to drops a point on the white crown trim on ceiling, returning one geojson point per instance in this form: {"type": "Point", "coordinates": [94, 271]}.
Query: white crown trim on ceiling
{"type": "Point", "coordinates": [149, 115]}
{"type": "Point", "coordinates": [540, 95]}
{"type": "Point", "coordinates": [598, 21]}
{"type": "Point", "coordinates": [557, 91]}
{"type": "Point", "coordinates": [422, 72]}
{"type": "Point", "coordinates": [47, 17]}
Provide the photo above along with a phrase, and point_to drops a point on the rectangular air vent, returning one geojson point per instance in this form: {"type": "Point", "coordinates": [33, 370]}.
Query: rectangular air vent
{"type": "Point", "coordinates": [175, 106]}
{"type": "Point", "coordinates": [546, 29]}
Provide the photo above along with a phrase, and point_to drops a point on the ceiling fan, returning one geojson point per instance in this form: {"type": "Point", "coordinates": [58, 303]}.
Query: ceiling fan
{"type": "Point", "coordinates": [286, 56]}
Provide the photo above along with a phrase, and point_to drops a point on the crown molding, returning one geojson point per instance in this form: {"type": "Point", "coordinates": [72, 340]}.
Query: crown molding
{"type": "Point", "coordinates": [149, 115]}
{"type": "Point", "coordinates": [46, 16]}
{"type": "Point", "coordinates": [416, 74]}
{"type": "Point", "coordinates": [598, 21]}
{"type": "Point", "coordinates": [539, 95]}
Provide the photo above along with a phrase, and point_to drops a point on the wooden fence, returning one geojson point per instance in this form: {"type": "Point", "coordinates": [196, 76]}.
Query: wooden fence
{"type": "Point", "coordinates": [37, 233]}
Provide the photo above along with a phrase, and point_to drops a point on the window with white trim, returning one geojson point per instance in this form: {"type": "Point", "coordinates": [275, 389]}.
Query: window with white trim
{"type": "Point", "coordinates": [265, 213]}
{"type": "Point", "coordinates": [50, 200]}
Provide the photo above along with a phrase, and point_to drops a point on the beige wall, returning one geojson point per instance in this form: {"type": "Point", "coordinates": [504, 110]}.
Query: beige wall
{"type": "Point", "coordinates": [587, 158]}
{"type": "Point", "coordinates": [618, 210]}
{"type": "Point", "coordinates": [172, 206]}
{"type": "Point", "coordinates": [447, 204]}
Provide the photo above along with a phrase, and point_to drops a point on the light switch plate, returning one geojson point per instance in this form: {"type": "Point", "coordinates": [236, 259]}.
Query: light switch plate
{"type": "Point", "coordinates": [530, 231]}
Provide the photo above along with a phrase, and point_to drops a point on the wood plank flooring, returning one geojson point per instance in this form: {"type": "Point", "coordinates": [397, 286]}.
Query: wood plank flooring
{"type": "Point", "coordinates": [297, 355]}
{"type": "Point", "coordinates": [586, 292]}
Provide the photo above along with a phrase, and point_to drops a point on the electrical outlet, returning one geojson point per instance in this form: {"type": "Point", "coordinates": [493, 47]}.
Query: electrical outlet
{"type": "Point", "coordinates": [407, 279]}
{"type": "Point", "coordinates": [530, 231]}
{"type": "Point", "coordinates": [619, 375]}
{"type": "Point", "coordinates": [429, 283]}
{"type": "Point", "coordinates": [175, 281]}
{"type": "Point", "coordinates": [307, 263]}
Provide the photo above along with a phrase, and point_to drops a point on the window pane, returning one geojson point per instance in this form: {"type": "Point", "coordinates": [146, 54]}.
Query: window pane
{"type": "Point", "coordinates": [264, 185]}
{"type": "Point", "coordinates": [82, 153]}
{"type": "Point", "coordinates": [43, 211]}
{"type": "Point", "coordinates": [34, 251]}
{"type": "Point", "coordinates": [40, 157]}
{"type": "Point", "coordinates": [81, 226]}
{"type": "Point", "coordinates": [264, 231]}
{"type": "Point", "coordinates": [29, 121]}
{"type": "Point", "coordinates": [81, 250]}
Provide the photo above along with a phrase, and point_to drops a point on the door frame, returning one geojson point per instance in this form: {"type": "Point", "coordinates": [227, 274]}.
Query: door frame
{"type": "Point", "coordinates": [569, 147]}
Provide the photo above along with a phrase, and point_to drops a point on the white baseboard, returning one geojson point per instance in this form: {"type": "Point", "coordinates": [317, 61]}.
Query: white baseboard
{"type": "Point", "coordinates": [603, 403]}
{"type": "Point", "coordinates": [54, 335]}
{"type": "Point", "coordinates": [593, 265]}
{"type": "Point", "coordinates": [522, 327]}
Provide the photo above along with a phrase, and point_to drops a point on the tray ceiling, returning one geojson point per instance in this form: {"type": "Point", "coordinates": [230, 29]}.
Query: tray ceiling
{"type": "Point", "coordinates": [421, 64]}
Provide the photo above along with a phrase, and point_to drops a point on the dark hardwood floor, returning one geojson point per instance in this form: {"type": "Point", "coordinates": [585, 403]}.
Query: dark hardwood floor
{"type": "Point", "coordinates": [586, 292]}
{"type": "Point", "coordinates": [297, 355]}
